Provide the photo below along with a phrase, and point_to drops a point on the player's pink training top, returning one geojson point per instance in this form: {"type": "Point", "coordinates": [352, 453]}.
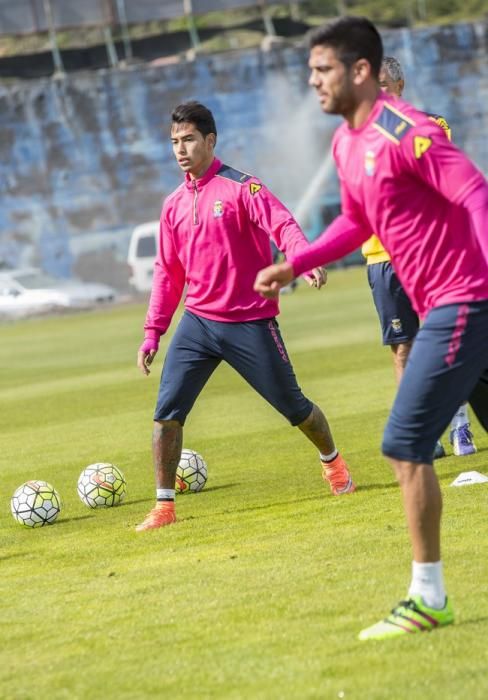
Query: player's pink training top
{"type": "Point", "coordinates": [402, 178]}
{"type": "Point", "coordinates": [215, 236]}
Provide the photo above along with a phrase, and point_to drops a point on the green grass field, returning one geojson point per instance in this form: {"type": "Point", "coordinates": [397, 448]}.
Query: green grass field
{"type": "Point", "coordinates": [260, 589]}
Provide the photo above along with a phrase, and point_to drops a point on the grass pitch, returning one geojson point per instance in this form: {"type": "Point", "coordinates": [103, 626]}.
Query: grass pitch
{"type": "Point", "coordinates": [260, 589]}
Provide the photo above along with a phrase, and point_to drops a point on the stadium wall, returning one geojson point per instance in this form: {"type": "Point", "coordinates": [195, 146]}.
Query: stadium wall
{"type": "Point", "coordinates": [85, 157]}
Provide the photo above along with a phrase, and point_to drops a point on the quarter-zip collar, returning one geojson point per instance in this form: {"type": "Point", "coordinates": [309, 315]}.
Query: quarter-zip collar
{"type": "Point", "coordinates": [196, 184]}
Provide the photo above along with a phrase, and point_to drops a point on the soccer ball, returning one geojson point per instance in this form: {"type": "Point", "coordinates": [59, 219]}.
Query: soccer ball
{"type": "Point", "coordinates": [35, 503]}
{"type": "Point", "coordinates": [191, 473]}
{"type": "Point", "coordinates": [101, 485]}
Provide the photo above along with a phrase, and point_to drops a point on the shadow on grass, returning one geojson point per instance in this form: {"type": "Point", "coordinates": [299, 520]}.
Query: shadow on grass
{"type": "Point", "coordinates": [261, 507]}
{"type": "Point", "coordinates": [376, 487]}
{"type": "Point", "coordinates": [267, 506]}
{"type": "Point", "coordinates": [178, 495]}
{"type": "Point", "coordinates": [73, 520]}
{"type": "Point", "coordinates": [289, 502]}
{"type": "Point", "coordinates": [17, 555]}
{"type": "Point", "coordinates": [212, 488]}
{"type": "Point", "coordinates": [449, 475]}
{"type": "Point", "coordinates": [248, 509]}
{"type": "Point", "coordinates": [472, 621]}
{"type": "Point", "coordinates": [130, 503]}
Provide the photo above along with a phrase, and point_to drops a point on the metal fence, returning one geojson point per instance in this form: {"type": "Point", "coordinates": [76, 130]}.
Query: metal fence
{"type": "Point", "coordinates": [21, 17]}
{"type": "Point", "coordinates": [137, 11]}
{"type": "Point", "coordinates": [30, 16]}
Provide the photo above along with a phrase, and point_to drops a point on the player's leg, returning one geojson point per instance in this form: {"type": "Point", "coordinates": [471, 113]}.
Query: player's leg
{"type": "Point", "coordinates": [400, 351]}
{"type": "Point", "coordinates": [447, 358]}
{"type": "Point", "coordinates": [190, 360]}
{"type": "Point", "coordinates": [423, 506]}
{"type": "Point", "coordinates": [398, 320]}
{"type": "Point", "coordinates": [167, 445]}
{"type": "Point", "coordinates": [256, 350]}
{"type": "Point", "coordinates": [426, 605]}
{"type": "Point", "coordinates": [335, 470]}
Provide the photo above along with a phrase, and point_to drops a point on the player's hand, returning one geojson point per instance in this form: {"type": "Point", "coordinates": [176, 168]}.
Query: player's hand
{"type": "Point", "coordinates": [145, 356]}
{"type": "Point", "coordinates": [271, 279]}
{"type": "Point", "coordinates": [317, 278]}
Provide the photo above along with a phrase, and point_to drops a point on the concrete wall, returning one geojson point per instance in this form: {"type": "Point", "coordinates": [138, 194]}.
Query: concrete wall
{"type": "Point", "coordinates": [86, 157]}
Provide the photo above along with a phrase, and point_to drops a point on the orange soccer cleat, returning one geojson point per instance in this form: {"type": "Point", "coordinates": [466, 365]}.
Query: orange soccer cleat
{"type": "Point", "coordinates": [162, 514]}
{"type": "Point", "coordinates": [336, 473]}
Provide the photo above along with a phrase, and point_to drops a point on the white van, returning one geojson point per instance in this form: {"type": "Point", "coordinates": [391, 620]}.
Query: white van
{"type": "Point", "coordinates": [141, 255]}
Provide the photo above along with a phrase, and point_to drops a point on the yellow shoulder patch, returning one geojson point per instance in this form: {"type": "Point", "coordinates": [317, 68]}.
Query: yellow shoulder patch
{"type": "Point", "coordinates": [254, 187]}
{"type": "Point", "coordinates": [440, 121]}
{"type": "Point", "coordinates": [421, 144]}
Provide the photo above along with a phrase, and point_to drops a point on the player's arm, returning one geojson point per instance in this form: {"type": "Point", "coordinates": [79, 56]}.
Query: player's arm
{"type": "Point", "coordinates": [444, 167]}
{"type": "Point", "coordinates": [271, 215]}
{"type": "Point", "coordinates": [346, 233]}
{"type": "Point", "coordinates": [167, 288]}
{"type": "Point", "coordinates": [476, 202]}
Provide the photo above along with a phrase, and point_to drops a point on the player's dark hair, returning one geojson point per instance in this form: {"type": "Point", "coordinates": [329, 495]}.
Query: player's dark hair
{"type": "Point", "coordinates": [195, 113]}
{"type": "Point", "coordinates": [352, 38]}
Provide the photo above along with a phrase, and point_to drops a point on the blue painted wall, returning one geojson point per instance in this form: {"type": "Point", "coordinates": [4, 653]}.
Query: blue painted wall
{"type": "Point", "coordinates": [86, 157]}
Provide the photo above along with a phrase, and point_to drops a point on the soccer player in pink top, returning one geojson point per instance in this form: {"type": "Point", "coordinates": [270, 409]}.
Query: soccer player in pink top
{"type": "Point", "coordinates": [214, 237]}
{"type": "Point", "coordinates": [399, 322]}
{"type": "Point", "coordinates": [428, 204]}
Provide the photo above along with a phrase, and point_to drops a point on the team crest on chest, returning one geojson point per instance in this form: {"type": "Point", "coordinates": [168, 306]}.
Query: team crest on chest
{"type": "Point", "coordinates": [218, 209]}
{"type": "Point", "coordinates": [369, 163]}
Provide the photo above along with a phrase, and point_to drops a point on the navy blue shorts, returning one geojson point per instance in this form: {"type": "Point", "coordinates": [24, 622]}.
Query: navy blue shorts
{"type": "Point", "coordinates": [448, 357]}
{"type": "Point", "coordinates": [254, 348]}
{"type": "Point", "coordinates": [399, 322]}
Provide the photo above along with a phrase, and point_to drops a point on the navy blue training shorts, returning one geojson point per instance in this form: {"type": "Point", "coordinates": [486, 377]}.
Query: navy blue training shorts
{"type": "Point", "coordinates": [254, 348]}
{"type": "Point", "coordinates": [448, 357]}
{"type": "Point", "coordinates": [399, 322]}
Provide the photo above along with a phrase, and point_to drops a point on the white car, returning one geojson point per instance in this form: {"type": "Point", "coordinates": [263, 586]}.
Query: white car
{"type": "Point", "coordinates": [14, 305]}
{"type": "Point", "coordinates": [141, 255]}
{"type": "Point", "coordinates": [27, 290]}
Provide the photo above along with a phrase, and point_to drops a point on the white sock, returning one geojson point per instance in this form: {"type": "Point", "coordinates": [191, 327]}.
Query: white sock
{"type": "Point", "coordinates": [165, 494]}
{"type": "Point", "coordinates": [428, 582]}
{"type": "Point", "coordinates": [460, 417]}
{"type": "Point", "coordinates": [330, 457]}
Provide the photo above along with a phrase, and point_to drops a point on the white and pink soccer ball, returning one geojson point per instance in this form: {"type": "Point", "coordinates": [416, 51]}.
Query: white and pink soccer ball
{"type": "Point", "coordinates": [35, 503]}
{"type": "Point", "coordinates": [191, 473]}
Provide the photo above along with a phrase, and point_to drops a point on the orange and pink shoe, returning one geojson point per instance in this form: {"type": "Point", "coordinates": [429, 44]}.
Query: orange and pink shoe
{"type": "Point", "coordinates": [162, 514]}
{"type": "Point", "coordinates": [336, 474]}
